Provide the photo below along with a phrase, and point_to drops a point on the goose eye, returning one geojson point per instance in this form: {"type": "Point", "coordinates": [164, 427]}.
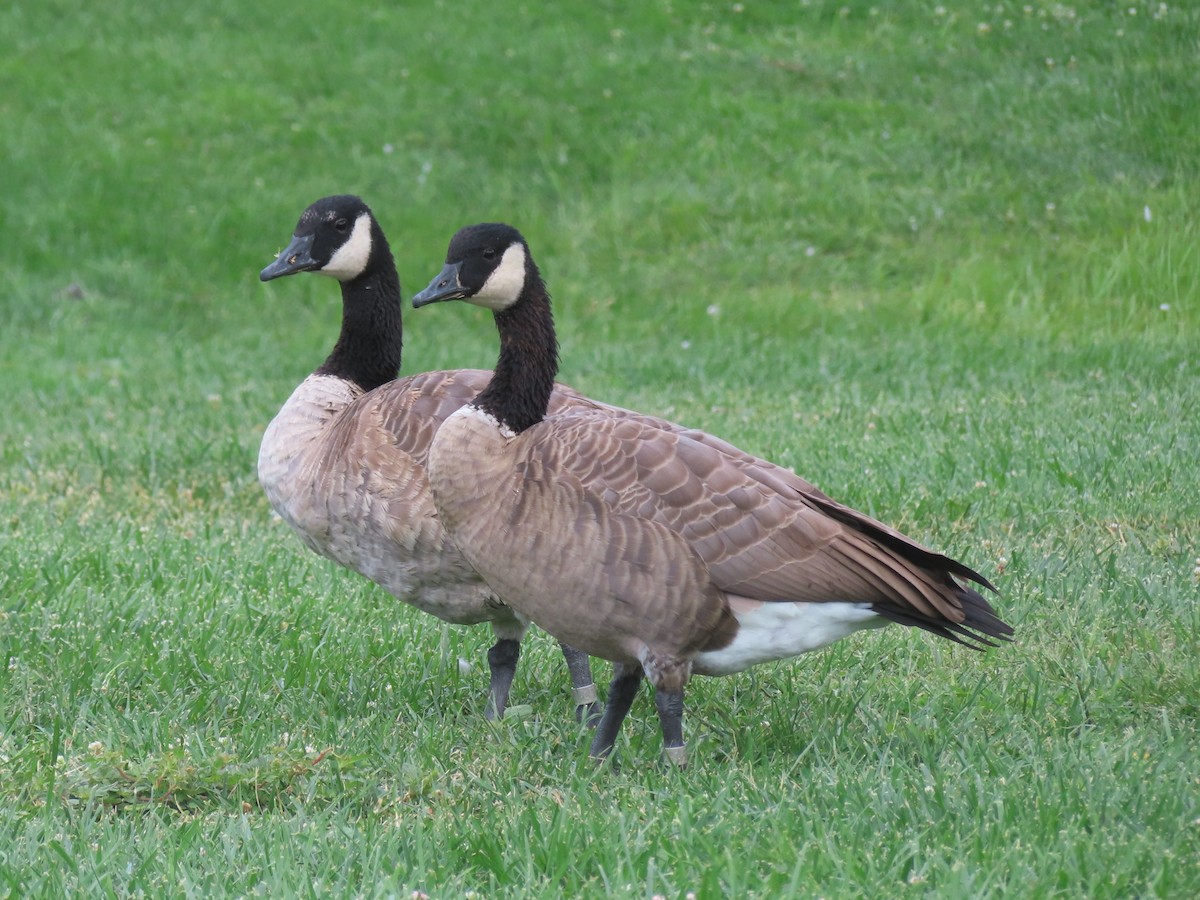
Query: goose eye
{"type": "Point", "coordinates": [341, 225]}
{"type": "Point", "coordinates": [489, 253]}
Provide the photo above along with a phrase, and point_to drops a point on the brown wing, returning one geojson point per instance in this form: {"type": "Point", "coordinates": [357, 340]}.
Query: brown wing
{"type": "Point", "coordinates": [377, 448]}
{"type": "Point", "coordinates": [784, 481]}
{"type": "Point", "coordinates": [763, 532]}
{"type": "Point", "coordinates": [411, 409]}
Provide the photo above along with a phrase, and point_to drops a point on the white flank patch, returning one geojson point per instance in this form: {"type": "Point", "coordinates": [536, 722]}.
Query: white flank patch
{"type": "Point", "coordinates": [504, 285]}
{"type": "Point", "coordinates": [770, 631]}
{"type": "Point", "coordinates": [351, 258]}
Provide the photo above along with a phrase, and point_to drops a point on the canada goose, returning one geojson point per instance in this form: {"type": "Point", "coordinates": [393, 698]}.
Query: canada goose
{"type": "Point", "coordinates": [343, 462]}
{"type": "Point", "coordinates": [665, 551]}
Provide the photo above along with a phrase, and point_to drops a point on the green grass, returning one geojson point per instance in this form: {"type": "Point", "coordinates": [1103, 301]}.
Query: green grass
{"type": "Point", "coordinates": [903, 248]}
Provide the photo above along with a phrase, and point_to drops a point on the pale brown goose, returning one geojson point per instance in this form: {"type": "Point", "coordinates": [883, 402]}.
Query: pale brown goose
{"type": "Point", "coordinates": [666, 551]}
{"type": "Point", "coordinates": [343, 462]}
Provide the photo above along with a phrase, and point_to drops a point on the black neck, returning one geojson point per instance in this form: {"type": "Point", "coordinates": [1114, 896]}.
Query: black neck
{"type": "Point", "coordinates": [368, 349]}
{"type": "Point", "coordinates": [519, 392]}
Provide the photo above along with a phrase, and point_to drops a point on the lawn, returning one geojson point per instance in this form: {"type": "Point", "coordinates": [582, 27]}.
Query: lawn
{"type": "Point", "coordinates": [940, 259]}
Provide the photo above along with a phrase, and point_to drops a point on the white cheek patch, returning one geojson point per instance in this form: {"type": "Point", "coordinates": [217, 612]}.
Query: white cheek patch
{"type": "Point", "coordinates": [504, 285]}
{"type": "Point", "coordinates": [351, 258]}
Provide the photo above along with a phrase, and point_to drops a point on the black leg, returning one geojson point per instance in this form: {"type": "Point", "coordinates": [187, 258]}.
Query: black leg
{"type": "Point", "coordinates": [621, 692]}
{"type": "Point", "coordinates": [670, 715]}
{"type": "Point", "coordinates": [502, 660]}
{"type": "Point", "coordinates": [583, 689]}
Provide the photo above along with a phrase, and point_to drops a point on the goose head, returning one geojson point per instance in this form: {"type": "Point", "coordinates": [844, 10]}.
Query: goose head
{"type": "Point", "coordinates": [335, 236]}
{"type": "Point", "coordinates": [487, 265]}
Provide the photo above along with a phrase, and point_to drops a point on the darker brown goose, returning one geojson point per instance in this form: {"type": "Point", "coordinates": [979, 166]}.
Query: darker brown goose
{"type": "Point", "coordinates": [665, 550]}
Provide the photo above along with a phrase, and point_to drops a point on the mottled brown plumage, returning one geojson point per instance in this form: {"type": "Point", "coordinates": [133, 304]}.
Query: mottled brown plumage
{"type": "Point", "coordinates": [663, 549]}
{"type": "Point", "coordinates": [346, 469]}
